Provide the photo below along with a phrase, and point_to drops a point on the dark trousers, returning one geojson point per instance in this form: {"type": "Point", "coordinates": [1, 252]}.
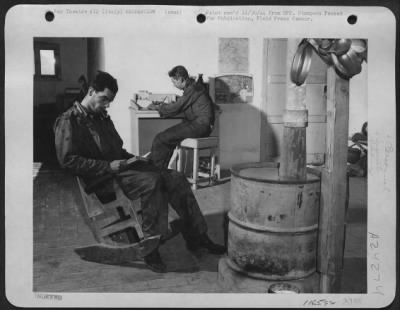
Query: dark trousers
{"type": "Point", "coordinates": [156, 188]}
{"type": "Point", "coordinates": [165, 142]}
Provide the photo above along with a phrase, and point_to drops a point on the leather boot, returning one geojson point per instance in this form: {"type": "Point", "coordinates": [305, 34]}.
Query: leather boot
{"type": "Point", "coordinates": [154, 262]}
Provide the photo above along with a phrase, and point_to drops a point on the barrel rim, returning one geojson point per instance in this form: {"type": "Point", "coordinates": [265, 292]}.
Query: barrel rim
{"type": "Point", "coordinates": [285, 285]}
{"type": "Point", "coordinates": [236, 168]}
{"type": "Point", "coordinates": [276, 230]}
{"type": "Point", "coordinates": [270, 277]}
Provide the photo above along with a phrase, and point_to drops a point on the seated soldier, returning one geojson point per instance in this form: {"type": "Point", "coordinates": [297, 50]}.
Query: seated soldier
{"type": "Point", "coordinates": [88, 145]}
{"type": "Point", "coordinates": [197, 109]}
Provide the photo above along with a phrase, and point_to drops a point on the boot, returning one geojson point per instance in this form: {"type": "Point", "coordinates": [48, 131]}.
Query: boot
{"type": "Point", "coordinates": [154, 262]}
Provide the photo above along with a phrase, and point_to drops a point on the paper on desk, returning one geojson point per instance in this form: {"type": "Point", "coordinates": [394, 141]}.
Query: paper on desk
{"type": "Point", "coordinates": [143, 103]}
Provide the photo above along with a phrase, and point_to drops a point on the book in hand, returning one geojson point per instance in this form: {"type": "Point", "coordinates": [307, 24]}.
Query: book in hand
{"type": "Point", "coordinates": [95, 184]}
{"type": "Point", "coordinates": [136, 158]}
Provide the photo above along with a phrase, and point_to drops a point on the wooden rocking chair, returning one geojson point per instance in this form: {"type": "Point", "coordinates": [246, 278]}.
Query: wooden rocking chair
{"type": "Point", "coordinates": [116, 225]}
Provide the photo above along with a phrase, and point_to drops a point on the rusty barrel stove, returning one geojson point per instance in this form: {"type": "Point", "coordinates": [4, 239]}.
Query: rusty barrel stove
{"type": "Point", "coordinates": [273, 223]}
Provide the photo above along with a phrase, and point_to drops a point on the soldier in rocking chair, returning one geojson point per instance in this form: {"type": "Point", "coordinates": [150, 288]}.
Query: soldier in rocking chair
{"type": "Point", "coordinates": [88, 145]}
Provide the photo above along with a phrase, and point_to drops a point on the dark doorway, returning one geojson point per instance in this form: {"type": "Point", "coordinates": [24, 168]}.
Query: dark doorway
{"type": "Point", "coordinates": [59, 65]}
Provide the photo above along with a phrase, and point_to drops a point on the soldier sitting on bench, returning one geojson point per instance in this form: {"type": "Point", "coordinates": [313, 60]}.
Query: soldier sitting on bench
{"type": "Point", "coordinates": [88, 145]}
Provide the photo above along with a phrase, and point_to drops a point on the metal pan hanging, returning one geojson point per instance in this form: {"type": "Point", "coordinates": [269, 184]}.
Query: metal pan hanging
{"type": "Point", "coordinates": [301, 63]}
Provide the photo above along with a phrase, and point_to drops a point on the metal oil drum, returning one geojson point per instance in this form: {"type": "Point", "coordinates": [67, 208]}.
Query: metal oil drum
{"type": "Point", "coordinates": [273, 223]}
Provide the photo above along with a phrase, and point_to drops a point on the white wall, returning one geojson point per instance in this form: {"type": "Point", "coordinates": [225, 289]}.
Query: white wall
{"type": "Point", "coordinates": [240, 127]}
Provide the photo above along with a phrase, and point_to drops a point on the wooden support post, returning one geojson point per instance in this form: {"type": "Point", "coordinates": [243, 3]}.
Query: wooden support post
{"type": "Point", "coordinates": [195, 167]}
{"type": "Point", "coordinates": [295, 118]}
{"type": "Point", "coordinates": [333, 185]}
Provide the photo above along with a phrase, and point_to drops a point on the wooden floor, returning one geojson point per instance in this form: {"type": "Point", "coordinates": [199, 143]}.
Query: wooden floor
{"type": "Point", "coordinates": [59, 229]}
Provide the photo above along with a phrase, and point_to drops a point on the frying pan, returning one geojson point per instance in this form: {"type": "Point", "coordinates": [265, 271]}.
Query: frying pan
{"type": "Point", "coordinates": [340, 69]}
{"type": "Point", "coordinates": [301, 63]}
{"type": "Point", "coordinates": [351, 62]}
{"type": "Point", "coordinates": [348, 64]}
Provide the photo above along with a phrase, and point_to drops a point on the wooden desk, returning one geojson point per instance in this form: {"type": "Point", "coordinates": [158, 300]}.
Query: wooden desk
{"type": "Point", "coordinates": [145, 125]}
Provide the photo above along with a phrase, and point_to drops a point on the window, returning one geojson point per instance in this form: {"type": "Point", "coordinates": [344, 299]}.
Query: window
{"type": "Point", "coordinates": [47, 61]}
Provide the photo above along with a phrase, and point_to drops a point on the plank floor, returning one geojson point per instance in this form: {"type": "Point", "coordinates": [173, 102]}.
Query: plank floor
{"type": "Point", "coordinates": [59, 228]}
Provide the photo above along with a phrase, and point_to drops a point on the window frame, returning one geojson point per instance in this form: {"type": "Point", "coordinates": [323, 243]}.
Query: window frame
{"type": "Point", "coordinates": [38, 46]}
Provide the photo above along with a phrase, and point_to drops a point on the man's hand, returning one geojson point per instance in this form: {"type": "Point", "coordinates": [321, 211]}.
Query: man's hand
{"type": "Point", "coordinates": [118, 165]}
{"type": "Point", "coordinates": [155, 105]}
{"type": "Point", "coordinates": [151, 106]}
